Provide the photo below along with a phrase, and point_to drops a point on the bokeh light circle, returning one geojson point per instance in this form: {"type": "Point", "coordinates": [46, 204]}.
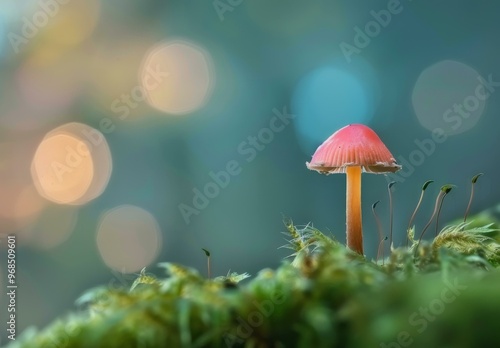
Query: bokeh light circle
{"type": "Point", "coordinates": [72, 164]}
{"type": "Point", "coordinates": [128, 238]}
{"type": "Point", "coordinates": [176, 77]}
{"type": "Point", "coordinates": [326, 100]}
{"type": "Point", "coordinates": [449, 95]}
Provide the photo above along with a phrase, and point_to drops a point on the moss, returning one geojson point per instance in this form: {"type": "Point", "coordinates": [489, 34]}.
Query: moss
{"type": "Point", "coordinates": [438, 294]}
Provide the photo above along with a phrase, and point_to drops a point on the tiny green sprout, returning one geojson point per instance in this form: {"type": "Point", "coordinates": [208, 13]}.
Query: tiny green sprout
{"type": "Point", "coordinates": [179, 271]}
{"type": "Point", "coordinates": [143, 278]}
{"type": "Point", "coordinates": [232, 279]}
{"type": "Point", "coordinates": [473, 181]}
{"type": "Point", "coordinates": [424, 187]}
{"type": "Point", "coordinates": [411, 234]}
{"type": "Point", "coordinates": [296, 243]}
{"type": "Point", "coordinates": [390, 211]}
{"type": "Point", "coordinates": [207, 253]}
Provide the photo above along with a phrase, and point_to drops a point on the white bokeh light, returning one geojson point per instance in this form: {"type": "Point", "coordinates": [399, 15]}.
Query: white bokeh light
{"type": "Point", "coordinates": [128, 238]}
{"type": "Point", "coordinates": [449, 95]}
{"type": "Point", "coordinates": [177, 77]}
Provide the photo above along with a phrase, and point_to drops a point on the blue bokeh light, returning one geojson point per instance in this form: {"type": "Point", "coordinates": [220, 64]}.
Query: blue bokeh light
{"type": "Point", "coordinates": [324, 101]}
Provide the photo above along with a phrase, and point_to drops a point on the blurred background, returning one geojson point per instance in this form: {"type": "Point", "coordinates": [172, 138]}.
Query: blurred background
{"type": "Point", "coordinates": [138, 132]}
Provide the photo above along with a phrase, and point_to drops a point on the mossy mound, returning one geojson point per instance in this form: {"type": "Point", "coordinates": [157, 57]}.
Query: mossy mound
{"type": "Point", "coordinates": [439, 294]}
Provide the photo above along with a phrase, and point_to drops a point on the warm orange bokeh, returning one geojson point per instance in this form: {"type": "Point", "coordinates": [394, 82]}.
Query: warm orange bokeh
{"type": "Point", "coordinates": [177, 77]}
{"type": "Point", "coordinates": [72, 164]}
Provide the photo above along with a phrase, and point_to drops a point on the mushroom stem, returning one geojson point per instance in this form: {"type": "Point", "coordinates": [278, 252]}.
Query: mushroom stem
{"type": "Point", "coordinates": [353, 209]}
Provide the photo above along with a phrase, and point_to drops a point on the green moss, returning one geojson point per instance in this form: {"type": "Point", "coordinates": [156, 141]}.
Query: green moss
{"type": "Point", "coordinates": [438, 294]}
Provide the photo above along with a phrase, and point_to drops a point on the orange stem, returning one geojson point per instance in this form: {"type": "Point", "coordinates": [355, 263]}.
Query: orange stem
{"type": "Point", "coordinates": [353, 209]}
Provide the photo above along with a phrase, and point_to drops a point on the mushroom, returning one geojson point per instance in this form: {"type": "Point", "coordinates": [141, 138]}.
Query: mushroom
{"type": "Point", "coordinates": [352, 150]}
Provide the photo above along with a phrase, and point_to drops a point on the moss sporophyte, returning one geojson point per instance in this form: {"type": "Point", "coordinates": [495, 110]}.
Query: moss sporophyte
{"type": "Point", "coordinates": [437, 293]}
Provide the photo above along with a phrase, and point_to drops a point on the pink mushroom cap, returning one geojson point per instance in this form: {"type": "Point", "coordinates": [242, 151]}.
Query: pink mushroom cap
{"type": "Point", "coordinates": [353, 145]}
